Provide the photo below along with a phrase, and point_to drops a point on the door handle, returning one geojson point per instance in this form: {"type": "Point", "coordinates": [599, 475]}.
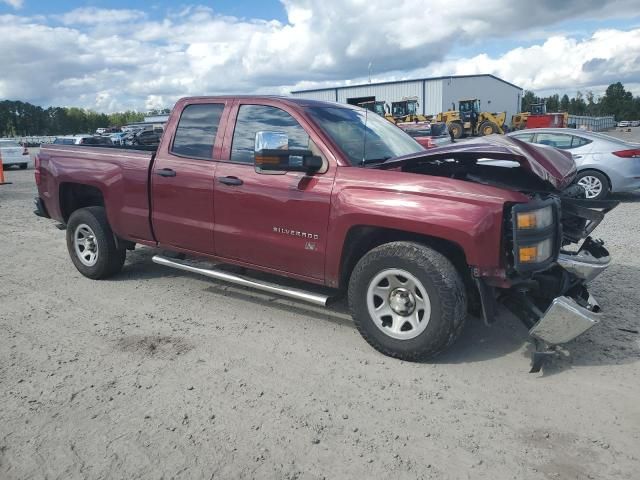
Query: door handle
{"type": "Point", "coordinates": [166, 172]}
{"type": "Point", "coordinates": [577, 156]}
{"type": "Point", "coordinates": [230, 180]}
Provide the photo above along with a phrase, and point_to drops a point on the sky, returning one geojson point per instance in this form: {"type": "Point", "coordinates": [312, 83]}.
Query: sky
{"type": "Point", "coordinates": [116, 55]}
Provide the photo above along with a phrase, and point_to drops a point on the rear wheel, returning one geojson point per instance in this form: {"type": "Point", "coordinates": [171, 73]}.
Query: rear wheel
{"type": "Point", "coordinates": [91, 244]}
{"type": "Point", "coordinates": [595, 184]}
{"type": "Point", "coordinates": [407, 300]}
{"type": "Point", "coordinates": [487, 128]}
{"type": "Point", "coordinates": [456, 129]}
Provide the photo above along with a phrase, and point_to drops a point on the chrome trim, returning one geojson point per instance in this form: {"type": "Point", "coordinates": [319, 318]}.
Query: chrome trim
{"type": "Point", "coordinates": [565, 320]}
{"type": "Point", "coordinates": [85, 152]}
{"type": "Point", "coordinates": [584, 265]}
{"type": "Point", "coordinates": [295, 293]}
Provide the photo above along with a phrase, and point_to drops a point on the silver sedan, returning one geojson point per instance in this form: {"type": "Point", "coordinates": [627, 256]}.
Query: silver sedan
{"type": "Point", "coordinates": [605, 163]}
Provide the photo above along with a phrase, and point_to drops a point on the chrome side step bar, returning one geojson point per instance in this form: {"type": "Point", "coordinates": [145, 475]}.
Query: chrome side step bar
{"type": "Point", "coordinates": [295, 293]}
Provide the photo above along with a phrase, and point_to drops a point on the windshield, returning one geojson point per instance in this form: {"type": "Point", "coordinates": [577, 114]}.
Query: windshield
{"type": "Point", "coordinates": [377, 141]}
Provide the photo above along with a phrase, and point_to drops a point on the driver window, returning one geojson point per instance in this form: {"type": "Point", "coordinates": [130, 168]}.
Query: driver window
{"type": "Point", "coordinates": [255, 118]}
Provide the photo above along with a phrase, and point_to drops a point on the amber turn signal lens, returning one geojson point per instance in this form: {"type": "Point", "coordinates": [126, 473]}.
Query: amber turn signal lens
{"type": "Point", "coordinates": [527, 220]}
{"type": "Point", "coordinates": [528, 254]}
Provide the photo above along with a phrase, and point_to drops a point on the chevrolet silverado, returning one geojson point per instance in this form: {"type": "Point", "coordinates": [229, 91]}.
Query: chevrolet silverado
{"type": "Point", "coordinates": [330, 195]}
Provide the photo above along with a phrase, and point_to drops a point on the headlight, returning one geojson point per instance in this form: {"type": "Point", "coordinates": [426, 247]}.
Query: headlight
{"type": "Point", "coordinates": [535, 219]}
{"type": "Point", "coordinates": [535, 253]}
{"type": "Point", "coordinates": [535, 234]}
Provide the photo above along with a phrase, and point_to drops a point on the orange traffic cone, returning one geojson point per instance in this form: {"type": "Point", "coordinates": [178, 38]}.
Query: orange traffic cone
{"type": "Point", "coordinates": [2, 182]}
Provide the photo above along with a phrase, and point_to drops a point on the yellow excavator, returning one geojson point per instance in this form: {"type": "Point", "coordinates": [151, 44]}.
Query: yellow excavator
{"type": "Point", "coordinates": [469, 120]}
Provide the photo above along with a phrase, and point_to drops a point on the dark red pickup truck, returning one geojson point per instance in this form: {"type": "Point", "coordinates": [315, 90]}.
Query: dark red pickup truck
{"type": "Point", "coordinates": [327, 194]}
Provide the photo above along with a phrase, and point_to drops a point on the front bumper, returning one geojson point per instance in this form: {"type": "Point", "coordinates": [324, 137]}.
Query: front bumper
{"type": "Point", "coordinates": [565, 320]}
{"type": "Point", "coordinates": [558, 308]}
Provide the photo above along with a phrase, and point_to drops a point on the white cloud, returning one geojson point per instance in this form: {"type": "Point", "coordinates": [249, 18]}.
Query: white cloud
{"type": "Point", "coordinates": [112, 59]}
{"type": "Point", "coordinates": [17, 4]}
{"type": "Point", "coordinates": [99, 16]}
{"type": "Point", "coordinates": [560, 63]}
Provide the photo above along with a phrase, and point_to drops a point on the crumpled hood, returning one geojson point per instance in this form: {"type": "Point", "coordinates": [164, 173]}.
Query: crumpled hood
{"type": "Point", "coordinates": [554, 166]}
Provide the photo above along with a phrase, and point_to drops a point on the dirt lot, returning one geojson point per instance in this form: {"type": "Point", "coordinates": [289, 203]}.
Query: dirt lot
{"type": "Point", "coordinates": [162, 374]}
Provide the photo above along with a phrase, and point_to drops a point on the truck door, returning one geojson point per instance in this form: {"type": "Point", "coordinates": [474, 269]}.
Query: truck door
{"type": "Point", "coordinates": [182, 179]}
{"type": "Point", "coordinates": [278, 221]}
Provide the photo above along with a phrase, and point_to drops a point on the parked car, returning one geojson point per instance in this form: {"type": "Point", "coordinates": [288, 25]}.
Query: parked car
{"type": "Point", "coordinates": [605, 164]}
{"type": "Point", "coordinates": [635, 123]}
{"type": "Point", "coordinates": [117, 138]}
{"type": "Point", "coordinates": [100, 131]}
{"type": "Point", "coordinates": [429, 135]}
{"type": "Point", "coordinates": [323, 193]}
{"type": "Point", "coordinates": [624, 123]}
{"type": "Point", "coordinates": [13, 154]}
{"type": "Point", "coordinates": [82, 140]}
{"type": "Point", "coordinates": [147, 137]}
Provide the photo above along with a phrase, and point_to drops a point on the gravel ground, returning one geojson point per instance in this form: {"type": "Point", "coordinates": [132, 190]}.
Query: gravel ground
{"type": "Point", "coordinates": [162, 374]}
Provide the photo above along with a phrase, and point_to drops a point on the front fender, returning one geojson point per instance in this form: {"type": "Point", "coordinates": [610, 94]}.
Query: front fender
{"type": "Point", "coordinates": [467, 214]}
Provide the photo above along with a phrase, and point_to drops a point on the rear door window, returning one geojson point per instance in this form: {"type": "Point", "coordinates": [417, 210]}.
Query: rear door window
{"type": "Point", "coordinates": [197, 130]}
{"type": "Point", "coordinates": [557, 140]}
{"type": "Point", "coordinates": [256, 118]}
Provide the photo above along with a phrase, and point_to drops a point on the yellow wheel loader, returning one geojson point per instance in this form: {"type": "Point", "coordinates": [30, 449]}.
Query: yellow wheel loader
{"type": "Point", "coordinates": [406, 111]}
{"type": "Point", "coordinates": [468, 120]}
{"type": "Point", "coordinates": [378, 107]}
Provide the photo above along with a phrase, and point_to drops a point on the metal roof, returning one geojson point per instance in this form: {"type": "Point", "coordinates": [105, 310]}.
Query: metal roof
{"type": "Point", "coordinates": [393, 82]}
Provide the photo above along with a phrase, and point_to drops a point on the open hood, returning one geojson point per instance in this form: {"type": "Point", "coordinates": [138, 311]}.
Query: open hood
{"type": "Point", "coordinates": [556, 167]}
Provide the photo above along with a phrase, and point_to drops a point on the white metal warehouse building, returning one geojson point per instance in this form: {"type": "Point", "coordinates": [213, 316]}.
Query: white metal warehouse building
{"type": "Point", "coordinates": [434, 94]}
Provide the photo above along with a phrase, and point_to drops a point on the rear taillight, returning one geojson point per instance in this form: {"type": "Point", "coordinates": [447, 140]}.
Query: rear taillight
{"type": "Point", "coordinates": [633, 153]}
{"type": "Point", "coordinates": [36, 170]}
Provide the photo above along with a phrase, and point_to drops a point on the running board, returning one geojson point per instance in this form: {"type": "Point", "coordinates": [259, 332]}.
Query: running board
{"type": "Point", "coordinates": [303, 295]}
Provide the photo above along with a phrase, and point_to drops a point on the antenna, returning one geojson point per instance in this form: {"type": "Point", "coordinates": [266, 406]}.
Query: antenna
{"type": "Point", "coordinates": [364, 137]}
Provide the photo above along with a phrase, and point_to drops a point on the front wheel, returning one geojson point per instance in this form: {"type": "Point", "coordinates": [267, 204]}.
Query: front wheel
{"type": "Point", "coordinates": [91, 244]}
{"type": "Point", "coordinates": [487, 128]}
{"type": "Point", "coordinates": [407, 300]}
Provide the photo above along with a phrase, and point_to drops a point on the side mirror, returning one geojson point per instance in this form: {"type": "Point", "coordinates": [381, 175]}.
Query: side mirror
{"type": "Point", "coordinates": [272, 154]}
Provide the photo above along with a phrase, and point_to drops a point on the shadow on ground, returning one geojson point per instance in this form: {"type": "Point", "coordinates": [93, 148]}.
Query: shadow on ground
{"type": "Point", "coordinates": [612, 342]}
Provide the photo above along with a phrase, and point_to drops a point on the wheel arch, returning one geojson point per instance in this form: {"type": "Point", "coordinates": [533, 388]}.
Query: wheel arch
{"type": "Point", "coordinates": [361, 239]}
{"type": "Point", "coordinates": [73, 196]}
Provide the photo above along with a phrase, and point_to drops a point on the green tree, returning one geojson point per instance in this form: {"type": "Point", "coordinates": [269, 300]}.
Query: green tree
{"type": "Point", "coordinates": [528, 99]}
{"type": "Point", "coordinates": [553, 103]}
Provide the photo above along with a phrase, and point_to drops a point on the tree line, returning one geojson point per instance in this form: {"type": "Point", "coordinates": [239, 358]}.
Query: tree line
{"type": "Point", "coordinates": [616, 101]}
{"type": "Point", "coordinates": [18, 119]}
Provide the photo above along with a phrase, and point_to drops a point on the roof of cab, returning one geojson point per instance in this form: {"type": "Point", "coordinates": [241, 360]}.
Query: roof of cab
{"type": "Point", "coordinates": [301, 102]}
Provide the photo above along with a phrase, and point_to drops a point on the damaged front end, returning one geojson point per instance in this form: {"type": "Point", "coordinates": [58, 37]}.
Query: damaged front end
{"type": "Point", "coordinates": [551, 296]}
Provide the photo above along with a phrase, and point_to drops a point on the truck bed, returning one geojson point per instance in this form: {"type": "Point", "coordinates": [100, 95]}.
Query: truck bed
{"type": "Point", "coordinates": [120, 175]}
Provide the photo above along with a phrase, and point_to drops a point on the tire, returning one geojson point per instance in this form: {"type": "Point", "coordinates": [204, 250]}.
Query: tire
{"type": "Point", "coordinates": [595, 184]}
{"type": "Point", "coordinates": [91, 228]}
{"type": "Point", "coordinates": [23, 166]}
{"type": "Point", "coordinates": [444, 308]}
{"type": "Point", "coordinates": [457, 129]}
{"type": "Point", "coordinates": [487, 128]}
